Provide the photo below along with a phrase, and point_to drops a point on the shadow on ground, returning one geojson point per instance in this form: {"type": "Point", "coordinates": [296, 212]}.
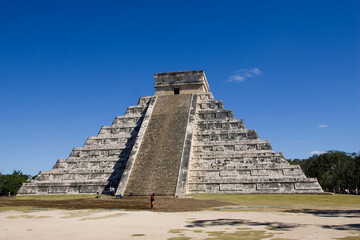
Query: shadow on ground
{"type": "Point", "coordinates": [238, 222]}
{"type": "Point", "coordinates": [345, 227]}
{"type": "Point", "coordinates": [329, 213]}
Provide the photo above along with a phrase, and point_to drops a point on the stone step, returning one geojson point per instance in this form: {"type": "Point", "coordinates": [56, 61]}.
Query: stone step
{"type": "Point", "coordinates": [211, 115]}
{"type": "Point", "coordinates": [287, 179]}
{"type": "Point", "coordinates": [117, 129]}
{"type": "Point", "coordinates": [89, 160]}
{"type": "Point", "coordinates": [248, 166]}
{"type": "Point", "coordinates": [98, 164]}
{"type": "Point", "coordinates": [236, 131]}
{"type": "Point", "coordinates": [236, 155]}
{"type": "Point", "coordinates": [204, 97]}
{"type": "Point", "coordinates": [157, 165]}
{"type": "Point", "coordinates": [220, 142]}
{"type": "Point", "coordinates": [110, 158]}
{"type": "Point", "coordinates": [135, 110]}
{"type": "Point", "coordinates": [248, 187]}
{"type": "Point", "coordinates": [232, 123]}
{"type": "Point", "coordinates": [210, 105]}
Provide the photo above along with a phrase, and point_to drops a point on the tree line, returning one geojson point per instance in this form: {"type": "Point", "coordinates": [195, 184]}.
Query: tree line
{"type": "Point", "coordinates": [11, 183]}
{"type": "Point", "coordinates": [336, 171]}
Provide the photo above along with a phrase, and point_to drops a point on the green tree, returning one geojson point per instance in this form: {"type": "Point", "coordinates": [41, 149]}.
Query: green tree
{"type": "Point", "coordinates": [11, 183]}
{"type": "Point", "coordinates": [335, 170]}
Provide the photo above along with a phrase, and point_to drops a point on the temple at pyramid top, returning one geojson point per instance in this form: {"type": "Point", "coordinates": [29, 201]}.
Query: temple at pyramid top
{"type": "Point", "coordinates": [179, 141]}
{"type": "Point", "coordinates": [183, 82]}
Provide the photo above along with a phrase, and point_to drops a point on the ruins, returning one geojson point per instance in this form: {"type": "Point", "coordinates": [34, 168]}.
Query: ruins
{"type": "Point", "coordinates": [179, 141]}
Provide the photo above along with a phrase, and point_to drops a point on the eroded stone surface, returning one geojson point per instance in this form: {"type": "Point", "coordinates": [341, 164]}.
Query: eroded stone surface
{"type": "Point", "coordinates": [157, 165]}
{"type": "Point", "coordinates": [228, 158]}
{"type": "Point", "coordinates": [96, 166]}
{"type": "Point", "coordinates": [177, 142]}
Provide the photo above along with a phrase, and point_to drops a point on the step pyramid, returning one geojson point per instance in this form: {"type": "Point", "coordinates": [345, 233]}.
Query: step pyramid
{"type": "Point", "coordinates": [179, 141]}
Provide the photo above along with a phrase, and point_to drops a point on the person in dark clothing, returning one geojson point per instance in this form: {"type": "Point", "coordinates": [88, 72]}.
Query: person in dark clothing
{"type": "Point", "coordinates": [112, 191]}
{"type": "Point", "coordinates": [152, 200]}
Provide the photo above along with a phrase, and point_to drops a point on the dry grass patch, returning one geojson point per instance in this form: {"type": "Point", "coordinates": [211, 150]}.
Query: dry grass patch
{"type": "Point", "coordinates": [57, 197]}
{"type": "Point", "coordinates": [105, 216]}
{"type": "Point", "coordinates": [179, 238]}
{"type": "Point", "coordinates": [138, 235]}
{"type": "Point", "coordinates": [274, 202]}
{"type": "Point", "coordinates": [163, 203]}
{"type": "Point", "coordinates": [80, 213]}
{"type": "Point", "coordinates": [27, 216]}
{"type": "Point", "coordinates": [350, 238]}
{"type": "Point", "coordinates": [246, 235]}
{"type": "Point", "coordinates": [15, 208]}
{"type": "Point", "coordinates": [282, 239]}
{"type": "Point", "coordinates": [177, 230]}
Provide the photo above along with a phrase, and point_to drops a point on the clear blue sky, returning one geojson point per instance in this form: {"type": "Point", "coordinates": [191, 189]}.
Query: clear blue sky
{"type": "Point", "coordinates": [290, 69]}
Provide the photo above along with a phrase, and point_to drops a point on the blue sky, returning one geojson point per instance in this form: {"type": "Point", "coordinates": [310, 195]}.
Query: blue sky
{"type": "Point", "coordinates": [289, 69]}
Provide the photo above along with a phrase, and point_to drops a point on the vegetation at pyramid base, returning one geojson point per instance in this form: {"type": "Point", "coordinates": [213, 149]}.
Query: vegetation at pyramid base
{"type": "Point", "coordinates": [10, 183]}
{"type": "Point", "coordinates": [336, 171]}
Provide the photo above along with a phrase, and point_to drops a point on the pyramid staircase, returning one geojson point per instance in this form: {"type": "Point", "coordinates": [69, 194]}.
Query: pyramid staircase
{"type": "Point", "coordinates": [157, 165]}
{"type": "Point", "coordinates": [179, 141]}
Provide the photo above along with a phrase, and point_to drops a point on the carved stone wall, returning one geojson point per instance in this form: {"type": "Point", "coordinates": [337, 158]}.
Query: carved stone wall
{"type": "Point", "coordinates": [96, 166]}
{"type": "Point", "coordinates": [228, 158]}
{"type": "Point", "coordinates": [174, 145]}
{"type": "Point", "coordinates": [186, 82]}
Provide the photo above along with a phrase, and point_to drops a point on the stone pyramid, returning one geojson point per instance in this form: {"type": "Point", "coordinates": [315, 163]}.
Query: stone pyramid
{"type": "Point", "coordinates": [179, 141]}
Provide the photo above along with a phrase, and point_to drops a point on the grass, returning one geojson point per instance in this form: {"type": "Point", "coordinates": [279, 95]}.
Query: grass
{"type": "Point", "coordinates": [292, 201]}
{"type": "Point", "coordinates": [103, 217]}
{"type": "Point", "coordinates": [350, 238]}
{"type": "Point", "coordinates": [177, 230]}
{"type": "Point", "coordinates": [57, 197]}
{"type": "Point", "coordinates": [27, 216]}
{"type": "Point", "coordinates": [15, 208]}
{"type": "Point", "coordinates": [243, 202]}
{"type": "Point", "coordinates": [246, 235]}
{"type": "Point", "coordinates": [80, 213]}
{"type": "Point", "coordinates": [179, 238]}
{"type": "Point", "coordinates": [215, 233]}
{"type": "Point", "coordinates": [282, 239]}
{"type": "Point", "coordinates": [356, 236]}
{"type": "Point", "coordinates": [25, 209]}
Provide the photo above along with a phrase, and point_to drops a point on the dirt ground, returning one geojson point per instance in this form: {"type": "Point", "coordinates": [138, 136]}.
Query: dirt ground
{"type": "Point", "coordinates": [172, 219]}
{"type": "Point", "coordinates": [163, 204]}
{"type": "Point", "coordinates": [95, 224]}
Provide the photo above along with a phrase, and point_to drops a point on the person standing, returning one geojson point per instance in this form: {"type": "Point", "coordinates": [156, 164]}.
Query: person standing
{"type": "Point", "coordinates": [112, 191]}
{"type": "Point", "coordinates": [152, 200]}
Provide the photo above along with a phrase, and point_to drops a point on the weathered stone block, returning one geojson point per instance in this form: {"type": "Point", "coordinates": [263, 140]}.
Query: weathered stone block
{"type": "Point", "coordinates": [243, 188]}
{"type": "Point", "coordinates": [307, 186]}
{"type": "Point", "coordinates": [179, 141]}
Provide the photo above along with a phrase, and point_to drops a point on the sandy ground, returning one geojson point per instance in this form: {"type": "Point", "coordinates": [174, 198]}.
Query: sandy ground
{"type": "Point", "coordinates": [116, 224]}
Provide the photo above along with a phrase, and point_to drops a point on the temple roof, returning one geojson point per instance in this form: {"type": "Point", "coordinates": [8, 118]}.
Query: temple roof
{"type": "Point", "coordinates": [186, 81]}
